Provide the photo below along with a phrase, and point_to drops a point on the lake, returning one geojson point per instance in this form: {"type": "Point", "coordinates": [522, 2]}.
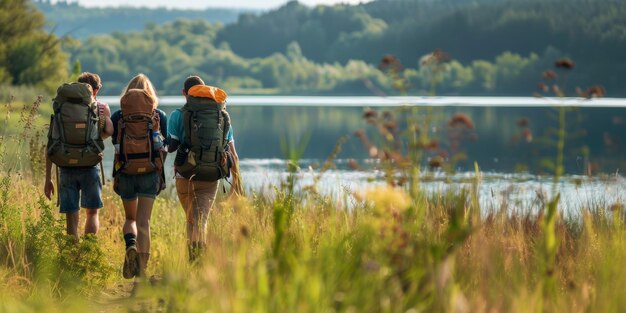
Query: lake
{"type": "Point", "coordinates": [511, 142]}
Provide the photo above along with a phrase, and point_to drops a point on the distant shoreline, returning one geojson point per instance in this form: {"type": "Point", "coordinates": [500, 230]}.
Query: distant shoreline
{"type": "Point", "coordinates": [372, 101]}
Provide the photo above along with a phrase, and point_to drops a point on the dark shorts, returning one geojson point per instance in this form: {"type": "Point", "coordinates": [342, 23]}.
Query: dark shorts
{"type": "Point", "coordinates": [129, 187]}
{"type": "Point", "coordinates": [80, 183]}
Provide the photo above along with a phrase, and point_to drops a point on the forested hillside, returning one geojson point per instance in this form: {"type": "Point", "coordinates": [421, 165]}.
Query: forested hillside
{"type": "Point", "coordinates": [469, 30]}
{"type": "Point", "coordinates": [71, 19]}
{"type": "Point", "coordinates": [497, 47]}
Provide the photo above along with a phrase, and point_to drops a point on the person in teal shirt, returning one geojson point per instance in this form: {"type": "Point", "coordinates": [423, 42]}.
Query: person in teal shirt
{"type": "Point", "coordinates": [196, 196]}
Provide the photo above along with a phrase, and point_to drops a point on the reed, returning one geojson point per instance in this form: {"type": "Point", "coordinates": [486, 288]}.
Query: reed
{"type": "Point", "coordinates": [389, 249]}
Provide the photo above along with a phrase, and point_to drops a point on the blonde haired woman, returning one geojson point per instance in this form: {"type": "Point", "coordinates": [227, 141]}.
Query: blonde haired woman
{"type": "Point", "coordinates": [137, 129]}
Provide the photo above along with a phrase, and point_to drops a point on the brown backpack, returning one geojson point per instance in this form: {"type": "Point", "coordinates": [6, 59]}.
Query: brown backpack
{"type": "Point", "coordinates": [137, 128]}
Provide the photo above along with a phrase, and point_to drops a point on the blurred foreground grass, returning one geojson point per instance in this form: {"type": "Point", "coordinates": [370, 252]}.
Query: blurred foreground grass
{"type": "Point", "coordinates": [388, 252]}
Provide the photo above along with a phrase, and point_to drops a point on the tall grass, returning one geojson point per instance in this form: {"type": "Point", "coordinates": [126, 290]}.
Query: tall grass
{"type": "Point", "coordinates": [388, 252]}
{"type": "Point", "coordinates": [389, 249]}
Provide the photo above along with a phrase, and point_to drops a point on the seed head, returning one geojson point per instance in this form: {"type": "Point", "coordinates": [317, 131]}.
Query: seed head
{"type": "Point", "coordinates": [549, 74]}
{"type": "Point", "coordinates": [566, 64]}
{"type": "Point", "coordinates": [370, 114]}
{"type": "Point", "coordinates": [461, 119]}
{"type": "Point", "coordinates": [353, 164]}
{"type": "Point", "coordinates": [435, 162]}
{"type": "Point", "coordinates": [522, 122]}
{"type": "Point", "coordinates": [596, 92]}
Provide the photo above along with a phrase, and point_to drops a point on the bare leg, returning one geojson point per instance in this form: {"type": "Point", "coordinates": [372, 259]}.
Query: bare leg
{"type": "Point", "coordinates": [144, 211]}
{"type": "Point", "coordinates": [92, 223]}
{"type": "Point", "coordinates": [130, 209]}
{"type": "Point", "coordinates": [71, 223]}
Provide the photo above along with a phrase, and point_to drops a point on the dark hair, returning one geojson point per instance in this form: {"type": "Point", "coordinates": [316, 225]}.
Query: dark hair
{"type": "Point", "coordinates": [90, 78]}
{"type": "Point", "coordinates": [192, 81]}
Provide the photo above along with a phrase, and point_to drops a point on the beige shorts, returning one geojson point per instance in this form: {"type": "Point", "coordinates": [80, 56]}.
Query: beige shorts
{"type": "Point", "coordinates": [197, 198]}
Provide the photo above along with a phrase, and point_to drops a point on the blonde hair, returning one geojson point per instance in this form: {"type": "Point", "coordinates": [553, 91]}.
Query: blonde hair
{"type": "Point", "coordinates": [142, 82]}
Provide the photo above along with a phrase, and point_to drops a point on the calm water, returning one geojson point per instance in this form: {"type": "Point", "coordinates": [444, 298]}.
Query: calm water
{"type": "Point", "coordinates": [596, 131]}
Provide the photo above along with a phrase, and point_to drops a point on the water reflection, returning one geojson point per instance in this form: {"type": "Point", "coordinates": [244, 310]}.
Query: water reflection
{"type": "Point", "coordinates": [595, 133]}
{"type": "Point", "coordinates": [510, 138]}
{"type": "Point", "coordinates": [523, 193]}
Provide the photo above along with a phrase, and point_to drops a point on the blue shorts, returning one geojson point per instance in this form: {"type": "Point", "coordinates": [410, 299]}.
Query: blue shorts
{"type": "Point", "coordinates": [83, 183]}
{"type": "Point", "coordinates": [129, 187]}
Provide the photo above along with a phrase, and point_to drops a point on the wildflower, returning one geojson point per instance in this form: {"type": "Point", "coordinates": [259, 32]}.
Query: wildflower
{"type": "Point", "coordinates": [441, 56]}
{"type": "Point", "coordinates": [543, 87]}
{"type": "Point", "coordinates": [556, 89]}
{"type": "Point", "coordinates": [461, 119]}
{"type": "Point", "coordinates": [596, 91]}
{"type": "Point", "coordinates": [387, 115]}
{"type": "Point", "coordinates": [522, 122]}
{"type": "Point", "coordinates": [360, 134]}
{"type": "Point", "coordinates": [435, 162]}
{"type": "Point", "coordinates": [617, 207]}
{"type": "Point", "coordinates": [438, 56]}
{"type": "Point", "coordinates": [549, 74]}
{"type": "Point", "coordinates": [353, 164]}
{"type": "Point", "coordinates": [387, 201]}
{"type": "Point", "coordinates": [592, 92]}
{"type": "Point", "coordinates": [370, 114]}
{"type": "Point", "coordinates": [566, 64]}
{"type": "Point", "coordinates": [390, 62]}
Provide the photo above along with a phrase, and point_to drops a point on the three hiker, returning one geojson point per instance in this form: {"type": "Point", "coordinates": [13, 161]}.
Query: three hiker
{"type": "Point", "coordinates": [200, 132]}
{"type": "Point", "coordinates": [79, 124]}
{"type": "Point", "coordinates": [202, 135]}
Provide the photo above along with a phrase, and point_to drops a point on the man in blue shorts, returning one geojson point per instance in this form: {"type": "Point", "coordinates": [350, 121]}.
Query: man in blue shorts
{"type": "Point", "coordinates": [81, 183]}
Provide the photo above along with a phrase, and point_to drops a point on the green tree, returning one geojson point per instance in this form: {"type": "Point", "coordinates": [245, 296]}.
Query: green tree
{"type": "Point", "coordinates": [28, 55]}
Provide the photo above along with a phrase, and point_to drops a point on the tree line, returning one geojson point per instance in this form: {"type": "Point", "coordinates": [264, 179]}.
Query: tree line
{"type": "Point", "coordinates": [496, 47]}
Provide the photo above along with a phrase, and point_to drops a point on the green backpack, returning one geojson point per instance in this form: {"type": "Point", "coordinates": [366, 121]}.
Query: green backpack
{"type": "Point", "coordinates": [74, 133]}
{"type": "Point", "coordinates": [203, 154]}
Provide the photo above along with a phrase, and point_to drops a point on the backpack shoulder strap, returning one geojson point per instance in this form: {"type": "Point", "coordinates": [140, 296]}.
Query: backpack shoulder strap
{"type": "Point", "coordinates": [187, 118]}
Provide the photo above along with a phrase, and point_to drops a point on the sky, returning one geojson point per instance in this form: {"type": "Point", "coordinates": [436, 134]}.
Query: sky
{"type": "Point", "coordinates": [202, 4]}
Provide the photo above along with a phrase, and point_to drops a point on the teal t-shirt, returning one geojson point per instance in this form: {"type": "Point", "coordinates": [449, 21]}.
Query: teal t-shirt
{"type": "Point", "coordinates": [176, 129]}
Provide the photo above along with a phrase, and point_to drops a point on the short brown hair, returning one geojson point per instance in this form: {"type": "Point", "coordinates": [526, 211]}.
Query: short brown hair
{"type": "Point", "coordinates": [90, 78]}
{"type": "Point", "coordinates": [192, 81]}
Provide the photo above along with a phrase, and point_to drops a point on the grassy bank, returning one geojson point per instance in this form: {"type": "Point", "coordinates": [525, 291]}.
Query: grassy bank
{"type": "Point", "coordinates": [390, 252]}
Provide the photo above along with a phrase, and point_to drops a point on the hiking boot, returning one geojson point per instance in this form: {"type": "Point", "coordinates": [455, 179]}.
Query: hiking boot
{"type": "Point", "coordinates": [131, 263]}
